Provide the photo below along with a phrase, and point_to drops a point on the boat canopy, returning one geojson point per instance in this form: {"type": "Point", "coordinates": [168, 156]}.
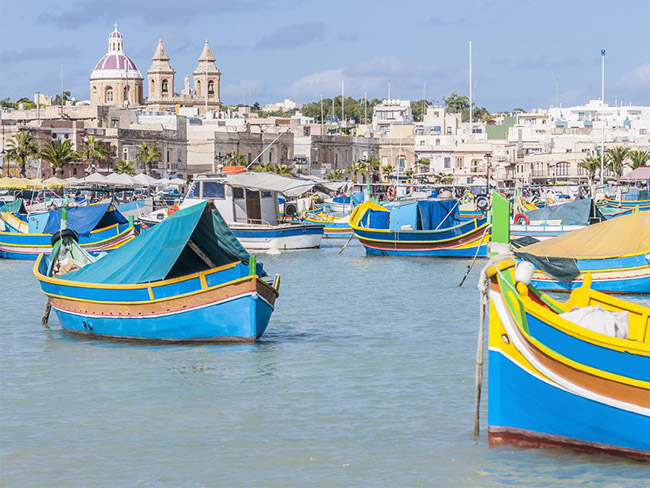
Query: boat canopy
{"type": "Point", "coordinates": [577, 212]}
{"type": "Point", "coordinates": [191, 240]}
{"type": "Point", "coordinates": [271, 182]}
{"type": "Point", "coordinates": [622, 236]}
{"type": "Point", "coordinates": [85, 219]}
{"type": "Point", "coordinates": [431, 214]}
{"type": "Point", "coordinates": [17, 206]}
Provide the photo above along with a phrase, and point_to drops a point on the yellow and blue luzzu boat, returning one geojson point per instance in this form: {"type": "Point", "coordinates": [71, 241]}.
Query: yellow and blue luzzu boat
{"type": "Point", "coordinates": [616, 253]}
{"type": "Point", "coordinates": [625, 204]}
{"type": "Point", "coordinates": [187, 279]}
{"type": "Point", "coordinates": [100, 227]}
{"type": "Point", "coordinates": [337, 226]}
{"type": "Point", "coordinates": [419, 228]}
{"type": "Point", "coordinates": [555, 383]}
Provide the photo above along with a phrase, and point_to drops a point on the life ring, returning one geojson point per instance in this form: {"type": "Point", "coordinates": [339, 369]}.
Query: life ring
{"type": "Point", "coordinates": [520, 216]}
{"type": "Point", "coordinates": [172, 208]}
{"type": "Point", "coordinates": [391, 193]}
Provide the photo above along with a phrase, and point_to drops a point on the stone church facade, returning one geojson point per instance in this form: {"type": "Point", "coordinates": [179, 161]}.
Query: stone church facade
{"type": "Point", "coordinates": [116, 81]}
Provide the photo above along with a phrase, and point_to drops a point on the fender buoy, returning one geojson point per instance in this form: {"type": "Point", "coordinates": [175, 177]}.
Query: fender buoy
{"type": "Point", "coordinates": [172, 208]}
{"type": "Point", "coordinates": [391, 193]}
{"type": "Point", "coordinates": [522, 217]}
{"type": "Point", "coordinates": [63, 233]}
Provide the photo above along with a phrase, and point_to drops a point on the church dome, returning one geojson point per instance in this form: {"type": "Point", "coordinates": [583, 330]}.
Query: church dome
{"type": "Point", "coordinates": [115, 64]}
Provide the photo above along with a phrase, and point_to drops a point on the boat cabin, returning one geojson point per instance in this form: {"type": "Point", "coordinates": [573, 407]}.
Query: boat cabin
{"type": "Point", "coordinates": [236, 204]}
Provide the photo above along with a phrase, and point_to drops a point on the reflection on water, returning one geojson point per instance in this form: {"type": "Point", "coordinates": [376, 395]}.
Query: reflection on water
{"type": "Point", "coordinates": [364, 378]}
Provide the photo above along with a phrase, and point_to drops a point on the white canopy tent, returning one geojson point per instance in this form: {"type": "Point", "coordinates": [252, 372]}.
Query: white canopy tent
{"type": "Point", "coordinates": [94, 179]}
{"type": "Point", "coordinates": [120, 180]}
{"type": "Point", "coordinates": [145, 180]}
{"type": "Point", "coordinates": [268, 181]}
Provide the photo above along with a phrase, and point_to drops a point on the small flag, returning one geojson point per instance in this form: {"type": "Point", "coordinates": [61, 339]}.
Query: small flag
{"type": "Point", "coordinates": [602, 52]}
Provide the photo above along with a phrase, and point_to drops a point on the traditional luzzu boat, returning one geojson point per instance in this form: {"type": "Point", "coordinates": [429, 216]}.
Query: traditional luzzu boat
{"type": "Point", "coordinates": [100, 227]}
{"type": "Point", "coordinates": [625, 204]}
{"type": "Point", "coordinates": [616, 253]}
{"type": "Point", "coordinates": [573, 374]}
{"type": "Point", "coordinates": [187, 279]}
{"type": "Point", "coordinates": [337, 225]}
{"type": "Point", "coordinates": [554, 220]}
{"type": "Point", "coordinates": [420, 228]}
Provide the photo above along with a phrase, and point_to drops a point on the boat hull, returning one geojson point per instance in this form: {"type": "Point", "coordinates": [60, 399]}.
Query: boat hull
{"type": "Point", "coordinates": [552, 383]}
{"type": "Point", "coordinates": [282, 237]}
{"type": "Point", "coordinates": [216, 306]}
{"type": "Point", "coordinates": [29, 246]}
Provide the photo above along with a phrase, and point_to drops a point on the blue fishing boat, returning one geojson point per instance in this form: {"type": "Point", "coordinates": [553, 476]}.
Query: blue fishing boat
{"type": "Point", "coordinates": [337, 225]}
{"type": "Point", "coordinates": [570, 374]}
{"type": "Point", "coordinates": [187, 279]}
{"type": "Point", "coordinates": [616, 253]}
{"type": "Point", "coordinates": [419, 228]}
{"type": "Point", "coordinates": [100, 227]}
{"type": "Point", "coordinates": [554, 220]}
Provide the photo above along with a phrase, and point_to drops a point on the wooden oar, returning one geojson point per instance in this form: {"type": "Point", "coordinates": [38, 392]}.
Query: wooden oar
{"type": "Point", "coordinates": [346, 244]}
{"type": "Point", "coordinates": [46, 313]}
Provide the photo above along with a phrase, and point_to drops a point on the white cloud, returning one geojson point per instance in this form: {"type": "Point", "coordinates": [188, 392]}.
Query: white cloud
{"type": "Point", "coordinates": [638, 78]}
{"type": "Point", "coordinates": [242, 90]}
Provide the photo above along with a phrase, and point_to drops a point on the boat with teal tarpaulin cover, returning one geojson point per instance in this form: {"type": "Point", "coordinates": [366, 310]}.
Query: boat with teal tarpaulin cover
{"type": "Point", "coordinates": [100, 227]}
{"type": "Point", "coordinates": [419, 228]}
{"type": "Point", "coordinates": [616, 253]}
{"type": "Point", "coordinates": [187, 279]}
{"type": "Point", "coordinates": [570, 374]}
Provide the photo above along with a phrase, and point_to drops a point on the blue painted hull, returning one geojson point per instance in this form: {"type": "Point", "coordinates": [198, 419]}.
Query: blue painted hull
{"type": "Point", "coordinates": [242, 319]}
{"type": "Point", "coordinates": [521, 405]}
{"type": "Point", "coordinates": [434, 253]}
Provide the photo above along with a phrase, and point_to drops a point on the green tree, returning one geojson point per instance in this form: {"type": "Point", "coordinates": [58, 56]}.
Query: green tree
{"type": "Point", "coordinates": [125, 167]}
{"type": "Point", "coordinates": [57, 99]}
{"type": "Point", "coordinates": [283, 170]}
{"type": "Point", "coordinates": [58, 153]}
{"type": "Point", "coordinates": [19, 149]}
{"type": "Point", "coordinates": [264, 167]}
{"type": "Point", "coordinates": [235, 159]}
{"type": "Point", "coordinates": [423, 164]}
{"type": "Point", "coordinates": [147, 154]}
{"type": "Point", "coordinates": [615, 158]}
{"type": "Point", "coordinates": [335, 175]}
{"type": "Point", "coordinates": [386, 170]}
{"type": "Point", "coordinates": [354, 169]}
{"type": "Point", "coordinates": [93, 150]}
{"type": "Point", "coordinates": [591, 165]}
{"type": "Point", "coordinates": [456, 103]}
{"type": "Point", "coordinates": [638, 158]}
{"type": "Point", "coordinates": [419, 108]}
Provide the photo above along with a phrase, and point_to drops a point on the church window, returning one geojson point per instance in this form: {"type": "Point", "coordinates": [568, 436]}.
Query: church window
{"type": "Point", "coordinates": [109, 94]}
{"type": "Point", "coordinates": [211, 87]}
{"type": "Point", "coordinates": [165, 87]}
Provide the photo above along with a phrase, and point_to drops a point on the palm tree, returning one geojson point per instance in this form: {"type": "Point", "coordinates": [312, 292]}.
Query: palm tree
{"type": "Point", "coordinates": [19, 148]}
{"type": "Point", "coordinates": [93, 150]}
{"type": "Point", "coordinates": [615, 160]}
{"type": "Point", "coordinates": [147, 154]}
{"type": "Point", "coordinates": [373, 166]}
{"type": "Point", "coordinates": [422, 163]}
{"type": "Point", "coordinates": [638, 158]}
{"type": "Point", "coordinates": [58, 153]}
{"type": "Point", "coordinates": [591, 164]}
{"type": "Point", "coordinates": [283, 170]}
{"type": "Point", "coordinates": [125, 167]}
{"type": "Point", "coordinates": [363, 168]}
{"type": "Point", "coordinates": [235, 159]}
{"type": "Point", "coordinates": [335, 175]}
{"type": "Point", "coordinates": [264, 167]}
{"type": "Point", "coordinates": [355, 168]}
{"type": "Point", "coordinates": [386, 170]}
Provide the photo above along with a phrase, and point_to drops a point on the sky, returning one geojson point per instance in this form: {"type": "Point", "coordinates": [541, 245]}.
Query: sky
{"type": "Point", "coordinates": [525, 52]}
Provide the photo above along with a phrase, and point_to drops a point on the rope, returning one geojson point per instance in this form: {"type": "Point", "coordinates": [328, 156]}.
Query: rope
{"type": "Point", "coordinates": [483, 287]}
{"type": "Point", "coordinates": [478, 248]}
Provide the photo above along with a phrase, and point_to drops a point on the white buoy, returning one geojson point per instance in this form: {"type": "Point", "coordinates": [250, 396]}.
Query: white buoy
{"type": "Point", "coordinates": [274, 250]}
{"type": "Point", "coordinates": [524, 272]}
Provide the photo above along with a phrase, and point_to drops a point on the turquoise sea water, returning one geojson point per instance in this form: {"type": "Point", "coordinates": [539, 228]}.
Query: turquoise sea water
{"type": "Point", "coordinates": [365, 377]}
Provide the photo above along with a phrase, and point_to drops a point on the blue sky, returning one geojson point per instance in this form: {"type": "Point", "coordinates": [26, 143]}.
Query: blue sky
{"type": "Point", "coordinates": [271, 49]}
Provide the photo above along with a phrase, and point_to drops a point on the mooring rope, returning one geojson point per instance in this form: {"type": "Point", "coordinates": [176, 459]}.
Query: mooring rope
{"type": "Point", "coordinates": [483, 287]}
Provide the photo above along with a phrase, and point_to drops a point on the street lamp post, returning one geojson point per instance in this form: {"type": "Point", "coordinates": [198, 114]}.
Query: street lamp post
{"type": "Point", "coordinates": [487, 173]}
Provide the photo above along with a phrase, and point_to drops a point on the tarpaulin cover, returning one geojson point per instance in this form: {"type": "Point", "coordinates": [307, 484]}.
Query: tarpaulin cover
{"type": "Point", "coordinates": [341, 199]}
{"type": "Point", "coordinates": [404, 214]}
{"type": "Point", "coordinates": [17, 206]}
{"type": "Point", "coordinates": [564, 270]}
{"type": "Point", "coordinates": [85, 219]}
{"type": "Point", "coordinates": [378, 219]}
{"type": "Point", "coordinates": [628, 234]}
{"type": "Point", "coordinates": [577, 212]}
{"type": "Point", "coordinates": [433, 213]}
{"type": "Point", "coordinates": [163, 252]}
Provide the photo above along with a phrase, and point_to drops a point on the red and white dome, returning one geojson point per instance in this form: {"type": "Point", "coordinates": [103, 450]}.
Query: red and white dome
{"type": "Point", "coordinates": [115, 64]}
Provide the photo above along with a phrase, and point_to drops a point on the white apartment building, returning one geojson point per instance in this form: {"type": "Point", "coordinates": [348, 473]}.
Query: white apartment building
{"type": "Point", "coordinates": [390, 112]}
